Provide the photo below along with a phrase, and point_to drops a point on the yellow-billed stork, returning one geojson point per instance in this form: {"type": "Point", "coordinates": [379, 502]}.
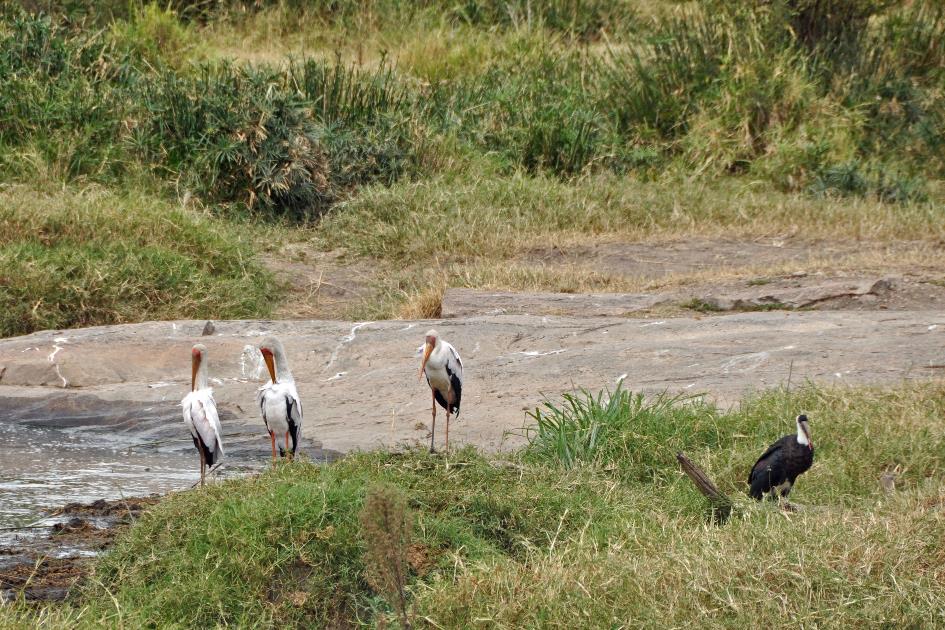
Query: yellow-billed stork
{"type": "Point", "coordinates": [444, 371]}
{"type": "Point", "coordinates": [200, 412]}
{"type": "Point", "coordinates": [278, 400]}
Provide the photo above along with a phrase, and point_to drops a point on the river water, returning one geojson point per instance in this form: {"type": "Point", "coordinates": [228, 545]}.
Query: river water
{"type": "Point", "coordinates": [44, 468]}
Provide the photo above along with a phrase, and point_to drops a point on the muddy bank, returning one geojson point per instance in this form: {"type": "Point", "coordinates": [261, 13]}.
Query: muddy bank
{"type": "Point", "coordinates": [46, 560]}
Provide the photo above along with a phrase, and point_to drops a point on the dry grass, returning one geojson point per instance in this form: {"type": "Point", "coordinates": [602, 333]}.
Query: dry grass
{"type": "Point", "coordinates": [500, 217]}
{"type": "Point", "coordinates": [424, 304]}
{"type": "Point", "coordinates": [515, 233]}
{"type": "Point", "coordinates": [828, 568]}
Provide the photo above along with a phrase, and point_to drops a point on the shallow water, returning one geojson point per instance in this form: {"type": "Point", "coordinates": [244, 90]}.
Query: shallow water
{"type": "Point", "coordinates": [42, 469]}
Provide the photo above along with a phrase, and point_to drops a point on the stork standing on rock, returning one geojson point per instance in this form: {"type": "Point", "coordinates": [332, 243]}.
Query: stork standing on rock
{"type": "Point", "coordinates": [200, 413]}
{"type": "Point", "coordinates": [786, 459]}
{"type": "Point", "coordinates": [444, 371]}
{"type": "Point", "coordinates": [279, 400]}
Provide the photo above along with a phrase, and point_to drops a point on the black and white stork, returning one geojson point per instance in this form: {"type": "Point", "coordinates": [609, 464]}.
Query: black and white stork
{"type": "Point", "coordinates": [200, 412]}
{"type": "Point", "coordinates": [279, 401]}
{"type": "Point", "coordinates": [444, 371]}
{"type": "Point", "coordinates": [786, 459]}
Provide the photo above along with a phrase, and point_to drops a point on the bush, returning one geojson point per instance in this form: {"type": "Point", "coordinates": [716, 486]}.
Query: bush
{"type": "Point", "coordinates": [586, 19]}
{"type": "Point", "coordinates": [737, 86]}
{"type": "Point", "coordinates": [59, 95]}
{"type": "Point", "coordinates": [227, 134]}
{"type": "Point", "coordinates": [532, 111]}
{"type": "Point", "coordinates": [153, 35]}
{"type": "Point", "coordinates": [278, 142]}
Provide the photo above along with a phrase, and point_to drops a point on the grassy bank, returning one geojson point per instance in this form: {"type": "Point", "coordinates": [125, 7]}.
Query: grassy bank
{"type": "Point", "coordinates": [606, 531]}
{"type": "Point", "coordinates": [85, 257]}
{"type": "Point", "coordinates": [494, 232]}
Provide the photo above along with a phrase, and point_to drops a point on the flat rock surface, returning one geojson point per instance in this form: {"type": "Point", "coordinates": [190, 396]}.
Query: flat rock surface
{"type": "Point", "coordinates": [359, 385]}
{"type": "Point", "coordinates": [328, 285]}
{"type": "Point", "coordinates": [813, 292]}
{"type": "Point", "coordinates": [469, 302]}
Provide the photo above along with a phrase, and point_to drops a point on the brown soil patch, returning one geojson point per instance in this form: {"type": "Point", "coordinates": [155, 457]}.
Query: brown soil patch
{"type": "Point", "coordinates": [46, 567]}
{"type": "Point", "coordinates": [322, 285]}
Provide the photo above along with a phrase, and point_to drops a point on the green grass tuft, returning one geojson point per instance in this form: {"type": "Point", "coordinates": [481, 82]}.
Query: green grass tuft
{"type": "Point", "coordinates": [97, 258]}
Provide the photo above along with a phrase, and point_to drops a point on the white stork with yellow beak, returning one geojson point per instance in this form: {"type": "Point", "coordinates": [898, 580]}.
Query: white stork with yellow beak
{"type": "Point", "coordinates": [444, 371]}
{"type": "Point", "coordinates": [200, 412]}
{"type": "Point", "coordinates": [279, 400]}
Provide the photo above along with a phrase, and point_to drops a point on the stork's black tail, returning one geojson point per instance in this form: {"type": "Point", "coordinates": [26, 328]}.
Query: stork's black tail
{"type": "Point", "coordinates": [456, 391]}
{"type": "Point", "coordinates": [295, 431]}
{"type": "Point", "coordinates": [213, 456]}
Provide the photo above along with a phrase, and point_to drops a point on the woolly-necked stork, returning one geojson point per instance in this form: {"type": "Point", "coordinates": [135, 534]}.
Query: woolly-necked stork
{"type": "Point", "coordinates": [279, 400]}
{"type": "Point", "coordinates": [444, 371]}
{"type": "Point", "coordinates": [776, 470]}
{"type": "Point", "coordinates": [200, 413]}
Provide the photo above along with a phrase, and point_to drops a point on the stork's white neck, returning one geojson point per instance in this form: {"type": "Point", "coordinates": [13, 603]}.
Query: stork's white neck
{"type": "Point", "coordinates": [283, 373]}
{"type": "Point", "coordinates": [801, 436]}
{"type": "Point", "coordinates": [438, 356]}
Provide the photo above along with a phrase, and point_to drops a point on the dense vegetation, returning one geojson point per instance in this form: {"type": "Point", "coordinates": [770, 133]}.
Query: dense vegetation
{"type": "Point", "coordinates": [852, 107]}
{"type": "Point", "coordinates": [605, 532]}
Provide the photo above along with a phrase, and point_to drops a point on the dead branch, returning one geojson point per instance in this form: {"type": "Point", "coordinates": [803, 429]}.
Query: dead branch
{"type": "Point", "coordinates": [721, 504]}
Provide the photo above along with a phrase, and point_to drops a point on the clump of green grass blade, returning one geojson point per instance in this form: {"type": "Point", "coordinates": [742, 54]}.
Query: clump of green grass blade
{"type": "Point", "coordinates": [69, 260]}
{"type": "Point", "coordinates": [585, 428]}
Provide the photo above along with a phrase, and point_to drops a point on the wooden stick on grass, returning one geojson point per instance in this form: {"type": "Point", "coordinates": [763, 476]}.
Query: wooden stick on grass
{"type": "Point", "coordinates": [721, 504]}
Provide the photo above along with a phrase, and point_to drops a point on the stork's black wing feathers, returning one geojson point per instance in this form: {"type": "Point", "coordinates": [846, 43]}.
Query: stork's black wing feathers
{"type": "Point", "coordinates": [295, 427]}
{"type": "Point", "coordinates": [439, 398]}
{"type": "Point", "coordinates": [456, 386]}
{"type": "Point", "coordinates": [768, 471]}
{"type": "Point", "coordinates": [211, 456]}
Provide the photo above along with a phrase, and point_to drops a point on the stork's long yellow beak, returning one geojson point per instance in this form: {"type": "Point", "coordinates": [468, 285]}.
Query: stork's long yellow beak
{"type": "Point", "coordinates": [267, 357]}
{"type": "Point", "coordinates": [427, 349]}
{"type": "Point", "coordinates": [194, 366]}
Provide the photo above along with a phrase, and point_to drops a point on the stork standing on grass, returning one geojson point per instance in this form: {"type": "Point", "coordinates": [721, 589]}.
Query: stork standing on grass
{"type": "Point", "coordinates": [279, 400]}
{"type": "Point", "coordinates": [200, 412]}
{"type": "Point", "coordinates": [786, 459]}
{"type": "Point", "coordinates": [444, 371]}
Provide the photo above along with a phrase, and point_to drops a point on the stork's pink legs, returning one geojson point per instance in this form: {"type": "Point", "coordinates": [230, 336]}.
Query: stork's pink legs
{"type": "Point", "coordinates": [272, 436]}
{"type": "Point", "coordinates": [433, 428]}
{"type": "Point", "coordinates": [288, 453]}
{"type": "Point", "coordinates": [203, 462]}
{"type": "Point", "coordinates": [449, 404]}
